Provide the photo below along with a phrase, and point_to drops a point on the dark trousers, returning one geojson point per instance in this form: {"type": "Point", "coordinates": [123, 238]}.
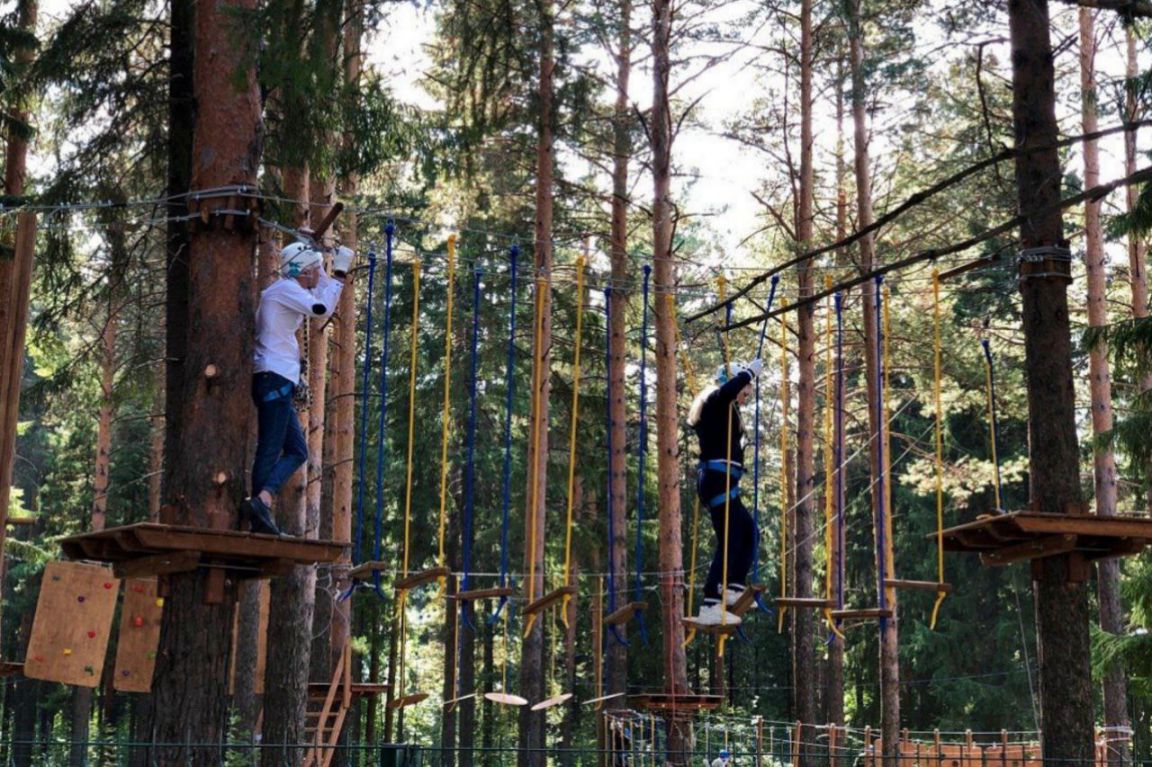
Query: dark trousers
{"type": "Point", "coordinates": [281, 447]}
{"type": "Point", "coordinates": [710, 486]}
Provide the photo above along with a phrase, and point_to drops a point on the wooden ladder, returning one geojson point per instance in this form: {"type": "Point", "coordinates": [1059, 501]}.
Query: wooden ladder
{"type": "Point", "coordinates": [324, 718]}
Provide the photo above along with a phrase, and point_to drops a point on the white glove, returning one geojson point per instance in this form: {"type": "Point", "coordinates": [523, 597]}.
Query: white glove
{"type": "Point", "coordinates": [342, 260]}
{"type": "Point", "coordinates": [754, 367]}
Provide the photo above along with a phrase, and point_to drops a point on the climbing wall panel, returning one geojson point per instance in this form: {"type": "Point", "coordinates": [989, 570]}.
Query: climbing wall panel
{"type": "Point", "coordinates": [72, 625]}
{"type": "Point", "coordinates": [140, 617]}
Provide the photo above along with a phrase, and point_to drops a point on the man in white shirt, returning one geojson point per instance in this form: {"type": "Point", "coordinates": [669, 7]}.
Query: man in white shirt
{"type": "Point", "coordinates": [723, 760]}
{"type": "Point", "coordinates": [303, 290]}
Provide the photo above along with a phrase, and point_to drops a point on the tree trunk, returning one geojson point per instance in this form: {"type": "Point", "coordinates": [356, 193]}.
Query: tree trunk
{"type": "Point", "coordinates": [1061, 594]}
{"type": "Point", "coordinates": [1137, 247]}
{"type": "Point", "coordinates": [667, 420]}
{"type": "Point", "coordinates": [617, 655]}
{"type": "Point", "coordinates": [889, 638]}
{"type": "Point", "coordinates": [1100, 383]}
{"type": "Point", "coordinates": [246, 701]}
{"type": "Point", "coordinates": [190, 691]}
{"type": "Point", "coordinates": [532, 723]}
{"type": "Point", "coordinates": [804, 686]}
{"type": "Point", "coordinates": [488, 729]}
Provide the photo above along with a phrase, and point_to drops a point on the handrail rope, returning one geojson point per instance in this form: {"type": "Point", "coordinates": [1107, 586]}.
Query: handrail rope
{"type": "Point", "coordinates": [366, 378]}
{"type": "Point", "coordinates": [881, 469]}
{"type": "Point", "coordinates": [939, 462]}
{"type": "Point", "coordinates": [995, 427]}
{"type": "Point", "coordinates": [785, 402]}
{"type": "Point", "coordinates": [378, 522]}
{"type": "Point", "coordinates": [470, 438]}
{"type": "Point", "coordinates": [889, 538]}
{"type": "Point", "coordinates": [641, 449]}
{"type": "Point", "coordinates": [838, 437]}
{"type": "Point", "coordinates": [756, 455]}
{"type": "Point", "coordinates": [829, 469]}
{"type": "Point", "coordinates": [534, 483]}
{"type": "Point", "coordinates": [446, 417]}
{"type": "Point", "coordinates": [413, 347]}
{"type": "Point", "coordinates": [722, 638]}
{"type": "Point", "coordinates": [572, 439]}
{"type": "Point", "coordinates": [610, 506]}
{"type": "Point", "coordinates": [509, 390]}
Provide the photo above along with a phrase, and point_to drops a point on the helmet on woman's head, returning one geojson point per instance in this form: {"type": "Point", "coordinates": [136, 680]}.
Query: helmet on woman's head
{"type": "Point", "coordinates": [297, 258]}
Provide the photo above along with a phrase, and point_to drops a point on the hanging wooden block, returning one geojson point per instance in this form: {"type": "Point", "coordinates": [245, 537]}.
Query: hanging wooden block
{"type": "Point", "coordinates": [139, 638]}
{"type": "Point", "coordinates": [73, 624]}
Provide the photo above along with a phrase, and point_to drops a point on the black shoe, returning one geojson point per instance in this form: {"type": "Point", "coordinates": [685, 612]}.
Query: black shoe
{"type": "Point", "coordinates": [259, 516]}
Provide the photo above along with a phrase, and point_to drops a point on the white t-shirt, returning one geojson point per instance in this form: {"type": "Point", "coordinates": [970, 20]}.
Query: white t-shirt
{"type": "Point", "coordinates": [283, 306]}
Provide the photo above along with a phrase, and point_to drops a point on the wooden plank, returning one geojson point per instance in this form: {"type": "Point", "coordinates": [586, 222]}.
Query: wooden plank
{"type": "Point", "coordinates": [277, 567]}
{"type": "Point", "coordinates": [549, 599]}
{"type": "Point", "coordinates": [419, 579]}
{"type": "Point", "coordinates": [747, 599]}
{"type": "Point", "coordinates": [409, 700]}
{"type": "Point", "coordinates": [933, 586]}
{"type": "Point", "coordinates": [73, 623]}
{"type": "Point", "coordinates": [804, 602]}
{"type": "Point", "coordinates": [665, 702]}
{"type": "Point", "coordinates": [866, 613]}
{"type": "Point", "coordinates": [475, 594]}
{"type": "Point", "coordinates": [624, 614]}
{"type": "Point", "coordinates": [8, 668]}
{"type": "Point", "coordinates": [140, 616]}
{"type": "Point", "coordinates": [1034, 549]}
{"type": "Point", "coordinates": [236, 545]}
{"type": "Point", "coordinates": [711, 628]}
{"type": "Point", "coordinates": [158, 564]}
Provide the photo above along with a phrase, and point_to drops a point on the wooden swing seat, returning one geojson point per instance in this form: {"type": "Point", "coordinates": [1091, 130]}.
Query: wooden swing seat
{"type": "Point", "coordinates": [863, 614]}
{"type": "Point", "coordinates": [549, 599]}
{"type": "Point", "coordinates": [624, 614]}
{"type": "Point", "coordinates": [408, 700]}
{"type": "Point", "coordinates": [933, 586]}
{"type": "Point", "coordinates": [804, 602]}
{"type": "Point", "coordinates": [669, 702]}
{"type": "Point", "coordinates": [1029, 535]}
{"type": "Point", "coordinates": [475, 594]}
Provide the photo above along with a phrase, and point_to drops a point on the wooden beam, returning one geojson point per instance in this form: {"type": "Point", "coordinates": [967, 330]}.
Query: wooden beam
{"type": "Point", "coordinates": [549, 599]}
{"type": "Point", "coordinates": [158, 564]}
{"type": "Point", "coordinates": [866, 613]}
{"type": "Point", "coordinates": [1130, 8]}
{"type": "Point", "coordinates": [818, 604]}
{"type": "Point", "coordinates": [624, 614]}
{"type": "Point", "coordinates": [419, 579]}
{"type": "Point", "coordinates": [474, 594]}
{"type": "Point", "coordinates": [711, 628]}
{"type": "Point", "coordinates": [933, 586]}
{"type": "Point", "coordinates": [747, 599]}
{"type": "Point", "coordinates": [1034, 549]}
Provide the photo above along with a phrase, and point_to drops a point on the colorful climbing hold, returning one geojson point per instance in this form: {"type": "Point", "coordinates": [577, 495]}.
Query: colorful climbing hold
{"type": "Point", "coordinates": [67, 650]}
{"type": "Point", "coordinates": [91, 634]}
{"type": "Point", "coordinates": [151, 655]}
{"type": "Point", "coordinates": [39, 659]}
{"type": "Point", "coordinates": [138, 589]}
{"type": "Point", "coordinates": [107, 584]}
{"type": "Point", "coordinates": [159, 601]}
{"type": "Point", "coordinates": [137, 621]}
{"type": "Point", "coordinates": [80, 598]}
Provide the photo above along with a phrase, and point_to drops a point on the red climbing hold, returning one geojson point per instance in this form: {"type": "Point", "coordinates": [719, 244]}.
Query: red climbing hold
{"type": "Point", "coordinates": [107, 584]}
{"type": "Point", "coordinates": [91, 634]}
{"type": "Point", "coordinates": [137, 621]}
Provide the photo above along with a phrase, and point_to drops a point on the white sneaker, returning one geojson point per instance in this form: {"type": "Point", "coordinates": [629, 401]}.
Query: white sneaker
{"type": "Point", "coordinates": [712, 614]}
{"type": "Point", "coordinates": [732, 594]}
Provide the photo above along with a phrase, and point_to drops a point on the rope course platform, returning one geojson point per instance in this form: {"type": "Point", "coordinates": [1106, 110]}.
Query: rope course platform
{"type": "Point", "coordinates": [1028, 535]}
{"type": "Point", "coordinates": [149, 548]}
{"type": "Point", "coordinates": [670, 702]}
{"type": "Point", "coordinates": [356, 689]}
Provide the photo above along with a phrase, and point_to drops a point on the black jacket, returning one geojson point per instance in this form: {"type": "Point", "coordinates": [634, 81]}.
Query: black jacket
{"type": "Point", "coordinates": [713, 427]}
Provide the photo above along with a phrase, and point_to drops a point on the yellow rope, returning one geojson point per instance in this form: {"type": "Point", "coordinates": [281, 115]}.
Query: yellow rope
{"type": "Point", "coordinates": [572, 436]}
{"type": "Point", "coordinates": [829, 463]}
{"type": "Point", "coordinates": [690, 379]}
{"type": "Point", "coordinates": [534, 484]}
{"type": "Point", "coordinates": [889, 564]}
{"type": "Point", "coordinates": [992, 431]}
{"type": "Point", "coordinates": [939, 450]}
{"type": "Point", "coordinates": [445, 425]}
{"type": "Point", "coordinates": [722, 286]}
{"type": "Point", "coordinates": [785, 396]}
{"type": "Point", "coordinates": [411, 414]}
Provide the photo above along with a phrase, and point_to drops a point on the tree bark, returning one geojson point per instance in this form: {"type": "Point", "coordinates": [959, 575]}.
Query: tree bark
{"type": "Point", "coordinates": [190, 691]}
{"type": "Point", "coordinates": [532, 723]}
{"type": "Point", "coordinates": [1061, 594]}
{"type": "Point", "coordinates": [617, 655]}
{"type": "Point", "coordinates": [1100, 383]}
{"type": "Point", "coordinates": [667, 422]}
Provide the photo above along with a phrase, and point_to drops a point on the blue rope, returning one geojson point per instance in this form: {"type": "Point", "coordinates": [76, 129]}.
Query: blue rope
{"type": "Point", "coordinates": [995, 420]}
{"type": "Point", "coordinates": [510, 381]}
{"type": "Point", "coordinates": [756, 455]}
{"type": "Point", "coordinates": [611, 510]}
{"type": "Point", "coordinates": [880, 467]}
{"type": "Point", "coordinates": [637, 589]}
{"type": "Point", "coordinates": [389, 230]}
{"type": "Point", "coordinates": [470, 468]}
{"type": "Point", "coordinates": [359, 535]}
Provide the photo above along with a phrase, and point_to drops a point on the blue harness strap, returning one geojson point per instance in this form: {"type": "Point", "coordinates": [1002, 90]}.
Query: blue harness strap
{"type": "Point", "coordinates": [283, 391]}
{"type": "Point", "coordinates": [721, 499]}
{"type": "Point", "coordinates": [734, 470]}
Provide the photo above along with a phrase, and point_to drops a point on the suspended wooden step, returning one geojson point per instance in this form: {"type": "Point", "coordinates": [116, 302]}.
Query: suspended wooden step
{"type": "Point", "coordinates": [711, 628]}
{"type": "Point", "coordinates": [9, 668]}
{"type": "Point", "coordinates": [748, 599]}
{"type": "Point", "coordinates": [670, 702]}
{"type": "Point", "coordinates": [933, 586]}
{"type": "Point", "coordinates": [804, 602]}
{"type": "Point", "coordinates": [472, 595]}
{"type": "Point", "coordinates": [862, 614]}
{"type": "Point", "coordinates": [624, 614]}
{"type": "Point", "coordinates": [21, 521]}
{"type": "Point", "coordinates": [549, 599]}
{"type": "Point", "coordinates": [505, 699]}
{"type": "Point", "coordinates": [555, 700]}
{"type": "Point", "coordinates": [408, 700]}
{"type": "Point", "coordinates": [461, 699]}
{"type": "Point", "coordinates": [602, 699]}
{"type": "Point", "coordinates": [1030, 535]}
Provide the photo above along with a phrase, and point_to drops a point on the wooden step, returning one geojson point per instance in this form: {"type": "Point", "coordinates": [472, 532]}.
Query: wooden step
{"type": "Point", "coordinates": [747, 599]}
{"type": "Point", "coordinates": [933, 586]}
{"type": "Point", "coordinates": [474, 594]}
{"type": "Point", "coordinates": [408, 700]}
{"type": "Point", "coordinates": [867, 613]}
{"type": "Point", "coordinates": [710, 628]}
{"type": "Point", "coordinates": [799, 602]}
{"type": "Point", "coordinates": [549, 599]}
{"type": "Point", "coordinates": [419, 579]}
{"type": "Point", "coordinates": [624, 614]}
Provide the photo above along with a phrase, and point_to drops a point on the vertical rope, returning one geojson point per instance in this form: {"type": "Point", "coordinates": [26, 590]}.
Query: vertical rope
{"type": "Point", "coordinates": [829, 464]}
{"type": "Point", "coordinates": [641, 448]}
{"type": "Point", "coordinates": [470, 467]}
{"type": "Point", "coordinates": [509, 390]}
{"type": "Point", "coordinates": [412, 359]}
{"type": "Point", "coordinates": [889, 538]}
{"type": "Point", "coordinates": [534, 483]}
{"type": "Point", "coordinates": [756, 450]}
{"type": "Point", "coordinates": [383, 391]}
{"type": "Point", "coordinates": [357, 550]}
{"type": "Point", "coordinates": [839, 440]}
{"type": "Point", "coordinates": [939, 462]}
{"type": "Point", "coordinates": [572, 436]}
{"type": "Point", "coordinates": [881, 468]}
{"type": "Point", "coordinates": [446, 416]}
{"type": "Point", "coordinates": [991, 379]}
{"type": "Point", "coordinates": [733, 408]}
{"type": "Point", "coordinates": [690, 379]}
{"type": "Point", "coordinates": [785, 402]}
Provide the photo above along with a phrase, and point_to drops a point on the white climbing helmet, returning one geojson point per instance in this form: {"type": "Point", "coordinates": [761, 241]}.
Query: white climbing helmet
{"type": "Point", "coordinates": [297, 258]}
{"type": "Point", "coordinates": [726, 372]}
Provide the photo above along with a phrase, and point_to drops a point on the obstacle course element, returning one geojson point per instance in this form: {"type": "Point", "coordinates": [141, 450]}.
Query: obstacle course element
{"type": "Point", "coordinates": [139, 637]}
{"type": "Point", "coordinates": [73, 623]}
{"type": "Point", "coordinates": [673, 703]}
{"type": "Point", "coordinates": [149, 548]}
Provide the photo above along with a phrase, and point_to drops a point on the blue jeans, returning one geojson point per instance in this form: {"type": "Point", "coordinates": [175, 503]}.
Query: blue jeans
{"type": "Point", "coordinates": [281, 447]}
{"type": "Point", "coordinates": [711, 486]}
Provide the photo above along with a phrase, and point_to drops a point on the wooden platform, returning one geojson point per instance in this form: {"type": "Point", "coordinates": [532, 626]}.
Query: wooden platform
{"type": "Point", "coordinates": [624, 614]}
{"type": "Point", "coordinates": [419, 579]}
{"type": "Point", "coordinates": [1027, 535]}
{"type": "Point", "coordinates": [356, 689]}
{"type": "Point", "coordinates": [667, 702]}
{"type": "Point", "coordinates": [933, 586]}
{"type": "Point", "coordinates": [153, 549]}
